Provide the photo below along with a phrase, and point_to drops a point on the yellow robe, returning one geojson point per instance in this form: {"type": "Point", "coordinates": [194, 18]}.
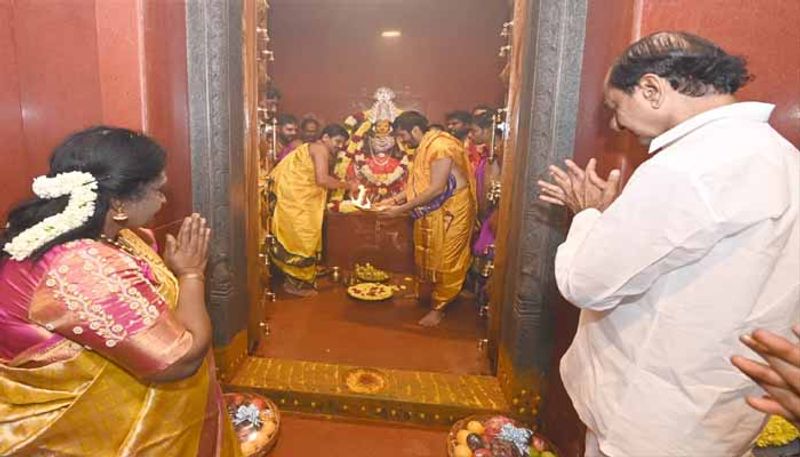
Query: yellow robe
{"type": "Point", "coordinates": [68, 400]}
{"type": "Point", "coordinates": [442, 237]}
{"type": "Point", "coordinates": [298, 208]}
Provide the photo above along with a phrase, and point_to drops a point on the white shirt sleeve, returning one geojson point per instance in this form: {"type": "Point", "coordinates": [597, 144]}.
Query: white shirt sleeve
{"type": "Point", "coordinates": [663, 220]}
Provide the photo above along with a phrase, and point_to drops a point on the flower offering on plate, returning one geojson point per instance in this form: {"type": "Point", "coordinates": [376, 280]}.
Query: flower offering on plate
{"type": "Point", "coordinates": [256, 421]}
{"type": "Point", "coordinates": [370, 291]}
{"type": "Point", "coordinates": [370, 273]}
{"type": "Point", "coordinates": [496, 436]}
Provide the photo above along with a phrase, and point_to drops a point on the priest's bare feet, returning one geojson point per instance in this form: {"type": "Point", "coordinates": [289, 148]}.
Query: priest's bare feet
{"type": "Point", "coordinates": [432, 319]}
{"type": "Point", "coordinates": [298, 292]}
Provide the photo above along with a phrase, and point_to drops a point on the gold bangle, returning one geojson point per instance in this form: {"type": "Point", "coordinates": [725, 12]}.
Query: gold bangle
{"type": "Point", "coordinates": [199, 276]}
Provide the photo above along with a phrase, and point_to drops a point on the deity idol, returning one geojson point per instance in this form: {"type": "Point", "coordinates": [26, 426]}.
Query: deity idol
{"type": "Point", "coordinates": [373, 157]}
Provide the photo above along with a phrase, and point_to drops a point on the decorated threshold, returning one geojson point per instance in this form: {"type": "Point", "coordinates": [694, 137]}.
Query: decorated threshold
{"type": "Point", "coordinates": [403, 396]}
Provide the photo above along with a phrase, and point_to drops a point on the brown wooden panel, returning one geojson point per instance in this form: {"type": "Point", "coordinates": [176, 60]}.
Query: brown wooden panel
{"type": "Point", "coordinates": [510, 203]}
{"type": "Point", "coordinates": [385, 242]}
{"type": "Point", "coordinates": [253, 238]}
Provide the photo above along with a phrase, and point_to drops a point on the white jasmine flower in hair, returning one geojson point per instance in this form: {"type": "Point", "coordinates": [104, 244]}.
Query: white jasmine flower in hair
{"type": "Point", "coordinates": [81, 188]}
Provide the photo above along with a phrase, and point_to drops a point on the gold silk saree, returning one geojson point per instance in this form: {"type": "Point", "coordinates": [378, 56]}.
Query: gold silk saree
{"type": "Point", "coordinates": [99, 319]}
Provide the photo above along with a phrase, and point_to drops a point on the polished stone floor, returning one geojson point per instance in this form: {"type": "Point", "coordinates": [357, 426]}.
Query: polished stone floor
{"type": "Point", "coordinates": [302, 436]}
{"type": "Point", "coordinates": [334, 328]}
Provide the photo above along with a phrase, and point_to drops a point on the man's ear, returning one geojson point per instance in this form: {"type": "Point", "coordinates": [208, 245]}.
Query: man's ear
{"type": "Point", "coordinates": [653, 89]}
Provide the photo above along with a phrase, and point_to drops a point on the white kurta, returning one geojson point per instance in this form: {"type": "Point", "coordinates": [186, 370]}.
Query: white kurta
{"type": "Point", "coordinates": [702, 246]}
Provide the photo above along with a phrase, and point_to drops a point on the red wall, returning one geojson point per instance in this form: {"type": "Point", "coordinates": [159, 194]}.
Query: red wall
{"type": "Point", "coordinates": [69, 64]}
{"type": "Point", "coordinates": [15, 160]}
{"type": "Point", "coordinates": [330, 57]}
{"type": "Point", "coordinates": [166, 105]}
{"type": "Point", "coordinates": [765, 32]}
{"type": "Point", "coordinates": [50, 85]}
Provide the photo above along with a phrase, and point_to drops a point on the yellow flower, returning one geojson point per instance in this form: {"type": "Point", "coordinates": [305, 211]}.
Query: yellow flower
{"type": "Point", "coordinates": [365, 126]}
{"type": "Point", "coordinates": [777, 432]}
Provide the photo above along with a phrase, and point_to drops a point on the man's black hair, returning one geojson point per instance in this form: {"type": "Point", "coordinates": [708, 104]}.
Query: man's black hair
{"type": "Point", "coordinates": [308, 120]}
{"type": "Point", "coordinates": [693, 65]}
{"type": "Point", "coordinates": [483, 121]}
{"type": "Point", "coordinates": [407, 120]}
{"type": "Point", "coordinates": [333, 130]}
{"type": "Point", "coordinates": [285, 119]}
{"type": "Point", "coordinates": [459, 115]}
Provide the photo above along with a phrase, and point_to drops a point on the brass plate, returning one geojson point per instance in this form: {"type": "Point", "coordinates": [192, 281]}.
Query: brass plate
{"type": "Point", "coordinates": [370, 291]}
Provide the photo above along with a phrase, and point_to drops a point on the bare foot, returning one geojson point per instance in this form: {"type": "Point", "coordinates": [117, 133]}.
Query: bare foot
{"type": "Point", "coordinates": [432, 319]}
{"type": "Point", "coordinates": [296, 291]}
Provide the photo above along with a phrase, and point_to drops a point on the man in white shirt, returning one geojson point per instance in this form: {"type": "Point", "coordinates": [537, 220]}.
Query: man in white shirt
{"type": "Point", "coordinates": [702, 246]}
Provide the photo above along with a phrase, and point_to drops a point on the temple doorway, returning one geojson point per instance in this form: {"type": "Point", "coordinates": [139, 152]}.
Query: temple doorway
{"type": "Point", "coordinates": [360, 64]}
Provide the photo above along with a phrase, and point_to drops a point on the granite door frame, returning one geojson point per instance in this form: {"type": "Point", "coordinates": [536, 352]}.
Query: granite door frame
{"type": "Point", "coordinates": [543, 119]}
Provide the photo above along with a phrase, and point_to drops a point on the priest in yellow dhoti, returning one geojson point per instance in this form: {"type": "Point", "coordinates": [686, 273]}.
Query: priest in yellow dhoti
{"type": "Point", "coordinates": [440, 195]}
{"type": "Point", "coordinates": [301, 183]}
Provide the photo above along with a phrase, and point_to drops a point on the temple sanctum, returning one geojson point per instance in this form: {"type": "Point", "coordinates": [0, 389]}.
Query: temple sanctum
{"type": "Point", "coordinates": [406, 228]}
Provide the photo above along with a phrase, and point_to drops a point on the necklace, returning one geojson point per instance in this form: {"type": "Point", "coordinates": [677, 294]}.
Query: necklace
{"type": "Point", "coordinates": [120, 245]}
{"type": "Point", "coordinates": [374, 158]}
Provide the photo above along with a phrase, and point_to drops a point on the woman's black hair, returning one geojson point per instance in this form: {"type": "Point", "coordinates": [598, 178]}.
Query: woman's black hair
{"type": "Point", "coordinates": [122, 161]}
{"type": "Point", "coordinates": [693, 65]}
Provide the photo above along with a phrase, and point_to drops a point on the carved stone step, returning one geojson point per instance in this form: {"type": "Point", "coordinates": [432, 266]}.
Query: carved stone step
{"type": "Point", "coordinates": [404, 396]}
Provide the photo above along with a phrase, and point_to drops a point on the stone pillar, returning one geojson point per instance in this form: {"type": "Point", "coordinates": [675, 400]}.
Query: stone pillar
{"type": "Point", "coordinates": [216, 135]}
{"type": "Point", "coordinates": [543, 120]}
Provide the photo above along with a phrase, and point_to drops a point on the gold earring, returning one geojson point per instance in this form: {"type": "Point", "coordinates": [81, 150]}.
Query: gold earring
{"type": "Point", "coordinates": [119, 216]}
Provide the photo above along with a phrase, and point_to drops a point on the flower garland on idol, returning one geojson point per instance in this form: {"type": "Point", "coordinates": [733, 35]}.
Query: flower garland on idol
{"type": "Point", "coordinates": [386, 182]}
{"type": "Point", "coordinates": [359, 125]}
{"type": "Point", "coordinates": [81, 188]}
